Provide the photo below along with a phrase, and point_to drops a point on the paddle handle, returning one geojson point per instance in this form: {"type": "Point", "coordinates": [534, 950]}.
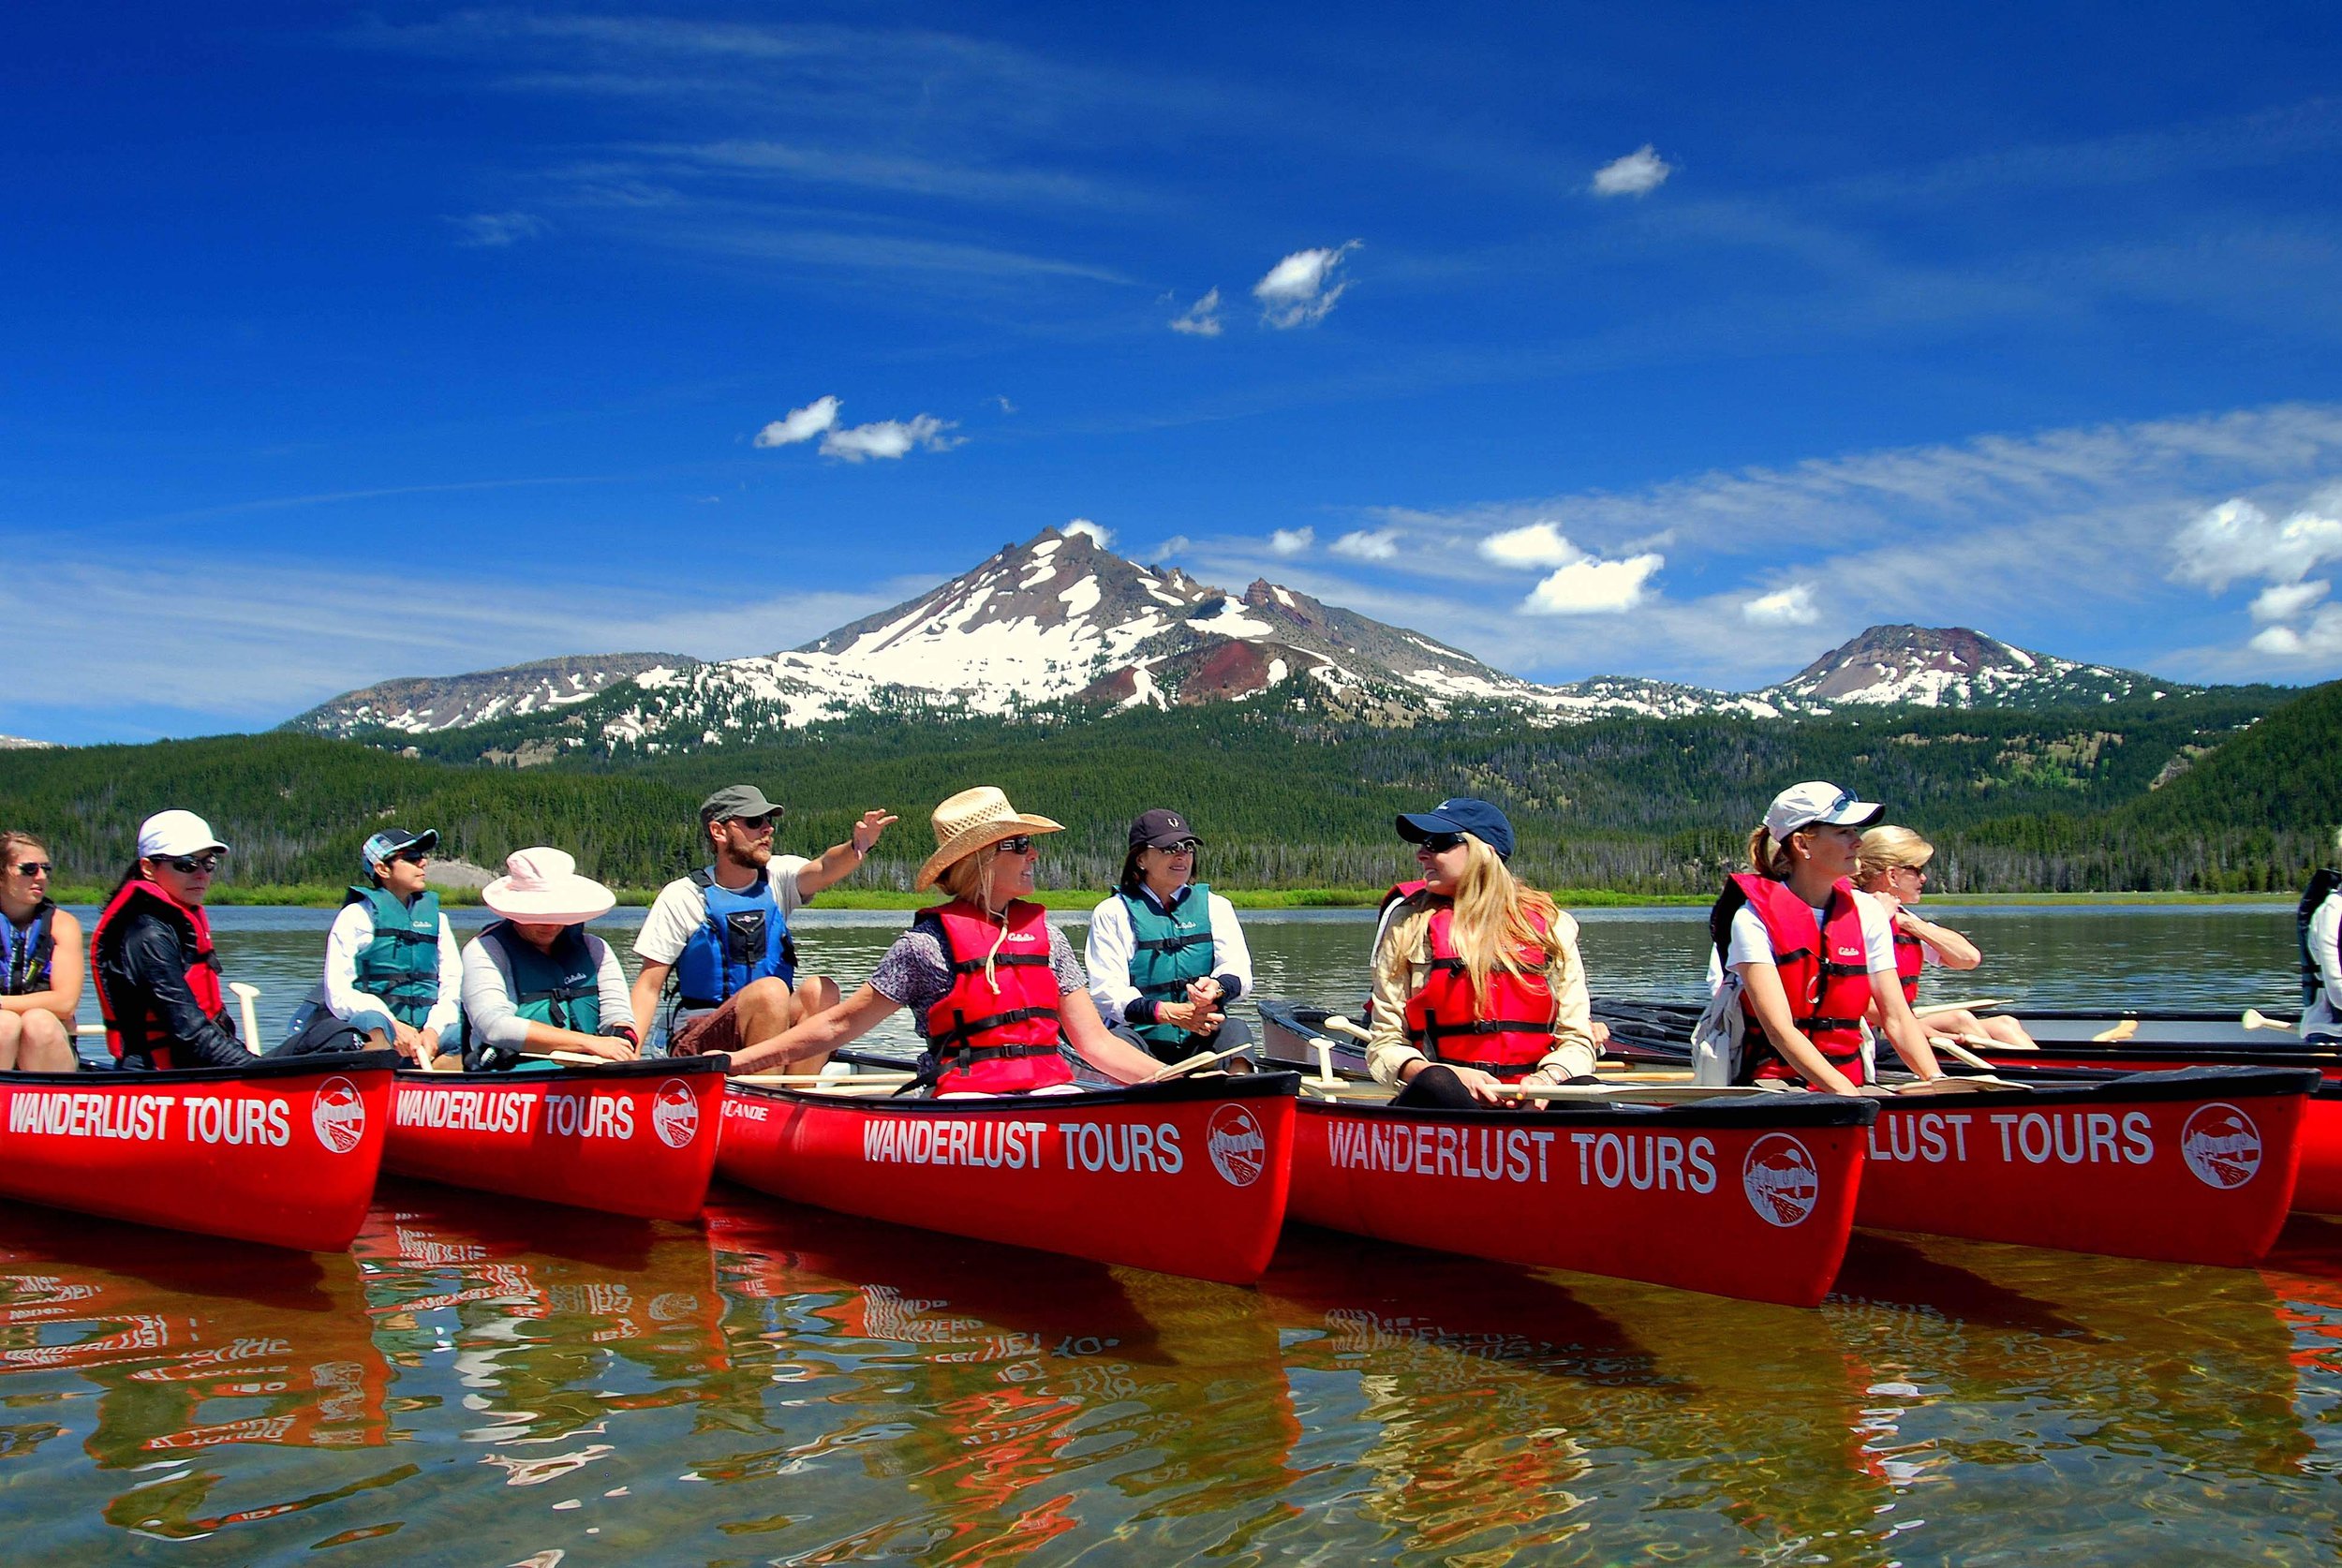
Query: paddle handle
{"type": "Point", "coordinates": [246, 996]}
{"type": "Point", "coordinates": [1979, 1002]}
{"type": "Point", "coordinates": [1343, 1026]}
{"type": "Point", "coordinates": [1196, 1064]}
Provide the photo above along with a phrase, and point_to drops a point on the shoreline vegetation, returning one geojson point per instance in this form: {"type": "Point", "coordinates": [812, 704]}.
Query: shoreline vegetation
{"type": "Point", "coordinates": [319, 897]}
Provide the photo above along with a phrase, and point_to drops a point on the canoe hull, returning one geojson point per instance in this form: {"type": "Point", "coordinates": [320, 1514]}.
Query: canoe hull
{"type": "Point", "coordinates": [1745, 1198]}
{"type": "Point", "coordinates": [1185, 1178]}
{"type": "Point", "coordinates": [280, 1152]}
{"type": "Point", "coordinates": [636, 1138]}
{"type": "Point", "coordinates": [2195, 1165]}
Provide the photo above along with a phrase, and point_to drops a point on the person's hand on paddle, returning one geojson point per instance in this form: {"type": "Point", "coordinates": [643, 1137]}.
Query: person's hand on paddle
{"type": "Point", "coordinates": [407, 1041]}
{"type": "Point", "coordinates": [610, 1047]}
{"type": "Point", "coordinates": [866, 832]}
{"type": "Point", "coordinates": [1482, 1084]}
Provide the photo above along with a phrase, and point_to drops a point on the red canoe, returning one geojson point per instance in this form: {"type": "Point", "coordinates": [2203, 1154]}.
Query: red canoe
{"type": "Point", "coordinates": [2193, 1165]}
{"type": "Point", "coordinates": [2162, 1041]}
{"type": "Point", "coordinates": [629, 1137]}
{"type": "Point", "coordinates": [1753, 1196]}
{"type": "Point", "coordinates": [282, 1152]}
{"type": "Point", "coordinates": [1187, 1176]}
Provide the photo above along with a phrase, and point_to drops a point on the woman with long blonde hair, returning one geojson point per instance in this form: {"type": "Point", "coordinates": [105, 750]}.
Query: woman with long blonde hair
{"type": "Point", "coordinates": [1809, 954]}
{"type": "Point", "coordinates": [1477, 982]}
{"type": "Point", "coordinates": [1891, 868]}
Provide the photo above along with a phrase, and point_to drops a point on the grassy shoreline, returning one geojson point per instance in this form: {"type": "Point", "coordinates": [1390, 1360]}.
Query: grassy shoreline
{"type": "Point", "coordinates": [322, 897]}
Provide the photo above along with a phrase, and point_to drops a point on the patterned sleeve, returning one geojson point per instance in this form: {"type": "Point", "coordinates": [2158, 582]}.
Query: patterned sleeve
{"type": "Point", "coordinates": [913, 974]}
{"type": "Point", "coordinates": [1064, 965]}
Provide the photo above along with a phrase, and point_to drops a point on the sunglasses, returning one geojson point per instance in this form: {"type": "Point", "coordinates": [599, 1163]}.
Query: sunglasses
{"type": "Point", "coordinates": [35, 868]}
{"type": "Point", "coordinates": [413, 857]}
{"type": "Point", "coordinates": [1184, 847]}
{"type": "Point", "coordinates": [1021, 844]}
{"type": "Point", "coordinates": [1439, 843]}
{"type": "Point", "coordinates": [753, 824]}
{"type": "Point", "coordinates": [187, 865]}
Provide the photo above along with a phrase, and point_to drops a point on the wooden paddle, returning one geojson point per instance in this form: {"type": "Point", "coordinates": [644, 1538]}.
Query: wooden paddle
{"type": "Point", "coordinates": [2255, 1019]}
{"type": "Point", "coordinates": [816, 1080]}
{"type": "Point", "coordinates": [1196, 1064]}
{"type": "Point", "coordinates": [2116, 1035]}
{"type": "Point", "coordinates": [1977, 1005]}
{"type": "Point", "coordinates": [246, 996]}
{"type": "Point", "coordinates": [1326, 1078]}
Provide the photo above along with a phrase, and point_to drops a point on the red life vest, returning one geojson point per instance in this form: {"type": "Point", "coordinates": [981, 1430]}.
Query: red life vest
{"type": "Point", "coordinates": [1829, 990]}
{"type": "Point", "coordinates": [1910, 958]}
{"type": "Point", "coordinates": [1508, 1034]}
{"type": "Point", "coordinates": [137, 1034]}
{"type": "Point", "coordinates": [995, 1036]}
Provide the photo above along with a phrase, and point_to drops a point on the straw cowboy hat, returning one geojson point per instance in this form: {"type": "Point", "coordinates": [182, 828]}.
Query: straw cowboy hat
{"type": "Point", "coordinates": [973, 820]}
{"type": "Point", "coordinates": [541, 887]}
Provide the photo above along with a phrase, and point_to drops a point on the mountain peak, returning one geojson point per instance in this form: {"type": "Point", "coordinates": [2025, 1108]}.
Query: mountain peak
{"type": "Point", "coordinates": [1953, 667]}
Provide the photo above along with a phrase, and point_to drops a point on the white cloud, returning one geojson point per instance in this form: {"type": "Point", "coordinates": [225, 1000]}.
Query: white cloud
{"type": "Point", "coordinates": [1789, 606]}
{"type": "Point", "coordinates": [1200, 320]}
{"type": "Point", "coordinates": [495, 230]}
{"type": "Point", "coordinates": [1532, 545]}
{"type": "Point", "coordinates": [2322, 639]}
{"type": "Point", "coordinates": [1639, 173]}
{"type": "Point", "coordinates": [2285, 600]}
{"type": "Point", "coordinates": [1102, 538]}
{"type": "Point", "coordinates": [1293, 292]}
{"type": "Point", "coordinates": [2238, 539]}
{"type": "Point", "coordinates": [1006, 406]}
{"type": "Point", "coordinates": [1380, 544]}
{"type": "Point", "coordinates": [1292, 542]}
{"type": "Point", "coordinates": [1593, 587]}
{"type": "Point", "coordinates": [1176, 546]}
{"type": "Point", "coordinates": [890, 438]}
{"type": "Point", "coordinates": [803, 425]}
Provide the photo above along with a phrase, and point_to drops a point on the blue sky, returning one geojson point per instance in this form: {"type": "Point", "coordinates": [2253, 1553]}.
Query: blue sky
{"type": "Point", "coordinates": [1678, 340]}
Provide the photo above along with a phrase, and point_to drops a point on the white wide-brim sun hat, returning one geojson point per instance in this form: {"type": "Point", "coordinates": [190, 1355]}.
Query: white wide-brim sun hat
{"type": "Point", "coordinates": [541, 887]}
{"type": "Point", "coordinates": [973, 820]}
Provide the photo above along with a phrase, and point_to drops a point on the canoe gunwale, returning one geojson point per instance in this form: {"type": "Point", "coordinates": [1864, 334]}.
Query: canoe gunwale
{"type": "Point", "coordinates": [1755, 1109]}
{"type": "Point", "coordinates": [644, 1067]}
{"type": "Point", "coordinates": [258, 1068]}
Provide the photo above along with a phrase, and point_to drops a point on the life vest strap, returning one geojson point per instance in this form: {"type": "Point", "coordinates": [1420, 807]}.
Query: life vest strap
{"type": "Point", "coordinates": [1002, 960]}
{"type": "Point", "coordinates": [962, 1029]}
{"type": "Point", "coordinates": [1173, 944]}
{"type": "Point", "coordinates": [1435, 1030]}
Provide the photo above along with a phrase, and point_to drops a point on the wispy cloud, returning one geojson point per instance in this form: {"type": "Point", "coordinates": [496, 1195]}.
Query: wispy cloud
{"type": "Point", "coordinates": [1292, 542]}
{"type": "Point", "coordinates": [1296, 293]}
{"type": "Point", "coordinates": [1376, 544]}
{"type": "Point", "coordinates": [495, 230]}
{"type": "Point", "coordinates": [1200, 320]}
{"type": "Point", "coordinates": [1639, 173]}
{"type": "Point", "coordinates": [2237, 541]}
{"type": "Point", "coordinates": [886, 439]}
{"type": "Point", "coordinates": [1790, 606]}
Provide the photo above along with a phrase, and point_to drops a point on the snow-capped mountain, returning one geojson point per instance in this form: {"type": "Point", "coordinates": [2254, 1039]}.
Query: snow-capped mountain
{"type": "Point", "coordinates": [420, 705]}
{"type": "Point", "coordinates": [1057, 619]}
{"type": "Point", "coordinates": [1953, 667]}
{"type": "Point", "coordinates": [18, 743]}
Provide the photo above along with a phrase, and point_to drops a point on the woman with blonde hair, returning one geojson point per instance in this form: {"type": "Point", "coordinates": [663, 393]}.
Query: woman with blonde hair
{"type": "Point", "coordinates": [40, 963]}
{"type": "Point", "coordinates": [1811, 956]}
{"type": "Point", "coordinates": [1477, 982]}
{"type": "Point", "coordinates": [1891, 868]}
{"type": "Point", "coordinates": [992, 983]}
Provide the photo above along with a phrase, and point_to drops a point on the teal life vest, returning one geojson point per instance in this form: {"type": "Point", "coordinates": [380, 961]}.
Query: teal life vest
{"type": "Point", "coordinates": [562, 988]}
{"type": "Point", "coordinates": [400, 964]}
{"type": "Point", "coordinates": [1168, 951]}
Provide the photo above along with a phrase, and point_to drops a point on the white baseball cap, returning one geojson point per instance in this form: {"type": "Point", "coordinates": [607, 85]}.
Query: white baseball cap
{"type": "Point", "coordinates": [176, 832]}
{"type": "Point", "coordinates": [1803, 805]}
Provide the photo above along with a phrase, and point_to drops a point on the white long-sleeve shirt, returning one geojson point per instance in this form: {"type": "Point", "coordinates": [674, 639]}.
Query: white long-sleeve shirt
{"type": "Point", "coordinates": [353, 928]}
{"type": "Point", "coordinates": [488, 992]}
{"type": "Point", "coordinates": [1111, 942]}
{"type": "Point", "coordinates": [2322, 1016]}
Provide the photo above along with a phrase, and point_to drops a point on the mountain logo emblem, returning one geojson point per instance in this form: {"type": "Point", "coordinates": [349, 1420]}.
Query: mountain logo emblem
{"type": "Point", "coordinates": [1237, 1149]}
{"type": "Point", "coordinates": [674, 1113]}
{"type": "Point", "coordinates": [2221, 1146]}
{"type": "Point", "coordinates": [339, 1115]}
{"type": "Point", "coordinates": [1780, 1180]}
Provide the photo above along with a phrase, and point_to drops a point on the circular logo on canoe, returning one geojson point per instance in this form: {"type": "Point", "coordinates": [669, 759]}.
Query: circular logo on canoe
{"type": "Point", "coordinates": [1780, 1180]}
{"type": "Point", "coordinates": [674, 1113]}
{"type": "Point", "coordinates": [2221, 1146]}
{"type": "Point", "coordinates": [339, 1115]}
{"type": "Point", "coordinates": [1236, 1146]}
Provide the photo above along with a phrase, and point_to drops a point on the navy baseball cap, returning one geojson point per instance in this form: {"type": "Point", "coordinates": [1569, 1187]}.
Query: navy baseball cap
{"type": "Point", "coordinates": [1160, 830]}
{"type": "Point", "coordinates": [1474, 817]}
{"type": "Point", "coordinates": [390, 841]}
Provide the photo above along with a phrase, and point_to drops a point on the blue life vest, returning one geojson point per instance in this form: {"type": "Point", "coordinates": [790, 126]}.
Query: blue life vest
{"type": "Point", "coordinates": [1167, 952]}
{"type": "Point", "coordinates": [744, 938]}
{"type": "Point", "coordinates": [27, 951]}
{"type": "Point", "coordinates": [400, 965]}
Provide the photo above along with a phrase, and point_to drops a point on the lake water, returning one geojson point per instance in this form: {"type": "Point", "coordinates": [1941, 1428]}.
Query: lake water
{"type": "Point", "coordinates": [486, 1381]}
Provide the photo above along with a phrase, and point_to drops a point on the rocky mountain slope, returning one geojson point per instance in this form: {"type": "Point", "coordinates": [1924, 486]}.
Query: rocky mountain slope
{"type": "Point", "coordinates": [1058, 618]}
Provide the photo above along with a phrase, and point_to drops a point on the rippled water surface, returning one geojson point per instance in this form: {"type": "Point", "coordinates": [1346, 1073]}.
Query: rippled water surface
{"type": "Point", "coordinates": [481, 1381]}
